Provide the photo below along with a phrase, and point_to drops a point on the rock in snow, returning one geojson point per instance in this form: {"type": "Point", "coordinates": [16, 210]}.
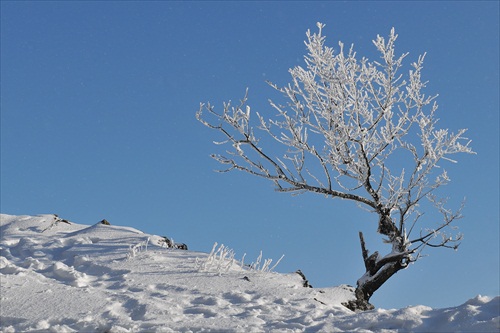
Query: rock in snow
{"type": "Point", "coordinates": [59, 276]}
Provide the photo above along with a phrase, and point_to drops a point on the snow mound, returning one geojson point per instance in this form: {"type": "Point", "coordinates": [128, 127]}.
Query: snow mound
{"type": "Point", "coordinates": [60, 276]}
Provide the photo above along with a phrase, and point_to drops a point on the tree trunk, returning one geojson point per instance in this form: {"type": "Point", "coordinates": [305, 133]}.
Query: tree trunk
{"type": "Point", "coordinates": [378, 271]}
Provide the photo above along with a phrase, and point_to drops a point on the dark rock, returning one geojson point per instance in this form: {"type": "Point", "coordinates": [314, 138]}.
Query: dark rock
{"type": "Point", "coordinates": [167, 241]}
{"type": "Point", "coordinates": [305, 284]}
{"type": "Point", "coordinates": [170, 244]}
{"type": "Point", "coordinates": [180, 246]}
{"type": "Point", "coordinates": [57, 219]}
{"type": "Point", "coordinates": [317, 300]}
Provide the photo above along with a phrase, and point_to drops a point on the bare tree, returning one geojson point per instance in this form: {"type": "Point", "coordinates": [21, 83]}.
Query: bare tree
{"type": "Point", "coordinates": [358, 130]}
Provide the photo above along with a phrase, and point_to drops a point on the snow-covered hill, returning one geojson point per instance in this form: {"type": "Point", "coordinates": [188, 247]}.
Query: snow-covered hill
{"type": "Point", "coordinates": [60, 276]}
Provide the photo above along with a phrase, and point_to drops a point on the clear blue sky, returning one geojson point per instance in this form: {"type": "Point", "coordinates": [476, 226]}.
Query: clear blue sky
{"type": "Point", "coordinates": [98, 103]}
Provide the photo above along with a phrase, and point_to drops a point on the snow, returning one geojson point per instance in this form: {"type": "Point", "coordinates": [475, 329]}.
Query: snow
{"type": "Point", "coordinates": [67, 277]}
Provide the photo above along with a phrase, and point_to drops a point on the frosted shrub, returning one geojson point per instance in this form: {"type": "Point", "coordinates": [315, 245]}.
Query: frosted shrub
{"type": "Point", "coordinates": [266, 265]}
{"type": "Point", "coordinates": [137, 248]}
{"type": "Point", "coordinates": [221, 259]}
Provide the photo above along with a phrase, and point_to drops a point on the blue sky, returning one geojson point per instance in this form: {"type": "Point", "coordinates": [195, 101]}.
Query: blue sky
{"type": "Point", "coordinates": [98, 103]}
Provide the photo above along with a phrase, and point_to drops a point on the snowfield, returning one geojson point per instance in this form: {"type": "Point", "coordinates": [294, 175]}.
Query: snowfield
{"type": "Point", "coordinates": [59, 276]}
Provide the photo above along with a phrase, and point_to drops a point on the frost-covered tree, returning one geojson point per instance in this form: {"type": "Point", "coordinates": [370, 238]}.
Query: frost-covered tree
{"type": "Point", "coordinates": [357, 130]}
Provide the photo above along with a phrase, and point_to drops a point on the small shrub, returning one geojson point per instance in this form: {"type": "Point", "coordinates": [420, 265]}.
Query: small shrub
{"type": "Point", "coordinates": [137, 248]}
{"type": "Point", "coordinates": [221, 259]}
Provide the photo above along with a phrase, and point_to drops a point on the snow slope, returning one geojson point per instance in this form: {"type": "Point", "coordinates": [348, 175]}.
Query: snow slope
{"type": "Point", "coordinates": [58, 276]}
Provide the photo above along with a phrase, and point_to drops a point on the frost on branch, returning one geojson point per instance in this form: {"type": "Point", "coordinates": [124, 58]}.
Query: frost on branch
{"type": "Point", "coordinates": [354, 129]}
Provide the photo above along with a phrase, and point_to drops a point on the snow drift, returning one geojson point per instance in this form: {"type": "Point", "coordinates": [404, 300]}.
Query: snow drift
{"type": "Point", "coordinates": [60, 276]}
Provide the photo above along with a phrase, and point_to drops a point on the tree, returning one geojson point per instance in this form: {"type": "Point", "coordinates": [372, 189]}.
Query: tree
{"type": "Point", "coordinates": [357, 130]}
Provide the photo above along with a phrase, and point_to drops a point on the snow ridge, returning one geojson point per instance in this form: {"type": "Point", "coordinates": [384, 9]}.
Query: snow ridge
{"type": "Point", "coordinates": [61, 276]}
